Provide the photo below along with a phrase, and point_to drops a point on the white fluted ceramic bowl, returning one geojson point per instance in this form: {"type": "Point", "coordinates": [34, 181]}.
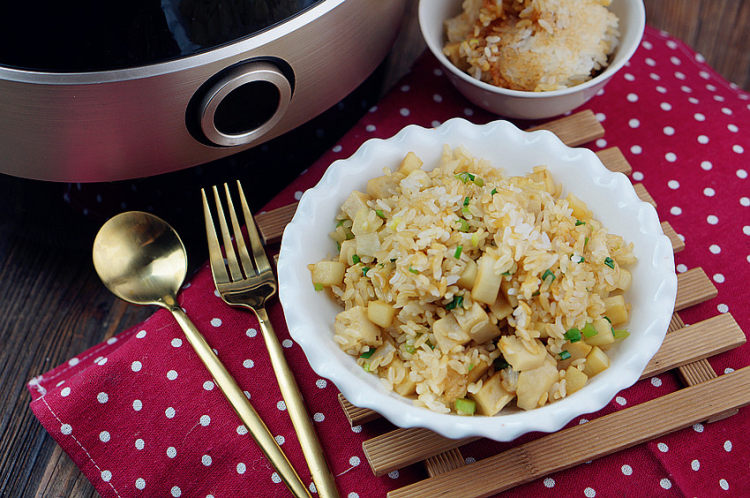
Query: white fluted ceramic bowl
{"type": "Point", "coordinates": [310, 314]}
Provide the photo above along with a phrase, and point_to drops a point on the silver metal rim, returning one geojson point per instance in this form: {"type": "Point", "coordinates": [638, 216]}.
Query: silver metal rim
{"type": "Point", "coordinates": [235, 78]}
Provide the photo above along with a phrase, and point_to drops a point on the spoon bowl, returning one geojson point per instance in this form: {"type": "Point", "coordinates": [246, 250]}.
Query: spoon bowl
{"type": "Point", "coordinates": [140, 258]}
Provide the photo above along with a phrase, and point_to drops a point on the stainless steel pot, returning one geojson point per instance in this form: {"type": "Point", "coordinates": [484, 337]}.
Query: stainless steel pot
{"type": "Point", "coordinates": [123, 121]}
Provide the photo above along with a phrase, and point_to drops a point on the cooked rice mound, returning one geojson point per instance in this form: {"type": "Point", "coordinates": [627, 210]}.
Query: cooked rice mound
{"type": "Point", "coordinates": [466, 289]}
{"type": "Point", "coordinates": [532, 45]}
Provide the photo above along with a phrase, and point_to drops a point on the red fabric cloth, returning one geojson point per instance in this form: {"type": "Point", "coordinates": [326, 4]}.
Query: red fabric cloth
{"type": "Point", "coordinates": [140, 415]}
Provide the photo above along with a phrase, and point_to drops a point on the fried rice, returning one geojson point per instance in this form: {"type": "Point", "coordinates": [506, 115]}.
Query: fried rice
{"type": "Point", "coordinates": [532, 45]}
{"type": "Point", "coordinates": [463, 286]}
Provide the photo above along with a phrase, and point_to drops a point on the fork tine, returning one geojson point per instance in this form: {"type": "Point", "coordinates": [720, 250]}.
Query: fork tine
{"type": "Point", "coordinates": [259, 254]}
{"type": "Point", "coordinates": [218, 268]}
{"type": "Point", "coordinates": [239, 239]}
{"type": "Point", "coordinates": [234, 266]}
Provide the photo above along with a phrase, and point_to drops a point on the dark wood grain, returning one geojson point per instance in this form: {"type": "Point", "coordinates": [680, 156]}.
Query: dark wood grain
{"type": "Point", "coordinates": [53, 307]}
{"type": "Point", "coordinates": [717, 29]}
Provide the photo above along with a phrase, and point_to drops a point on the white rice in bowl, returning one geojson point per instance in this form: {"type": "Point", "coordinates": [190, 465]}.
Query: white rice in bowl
{"type": "Point", "coordinates": [467, 290]}
{"type": "Point", "coordinates": [532, 45]}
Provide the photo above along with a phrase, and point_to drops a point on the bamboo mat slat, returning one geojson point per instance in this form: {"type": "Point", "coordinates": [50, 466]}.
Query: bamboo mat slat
{"type": "Point", "coordinates": [693, 288]}
{"type": "Point", "coordinates": [444, 462]}
{"type": "Point", "coordinates": [614, 160]}
{"type": "Point", "coordinates": [595, 439]}
{"type": "Point", "coordinates": [643, 194]}
{"type": "Point", "coordinates": [677, 243]}
{"type": "Point", "coordinates": [271, 224]}
{"type": "Point", "coordinates": [694, 343]}
{"type": "Point", "coordinates": [574, 130]}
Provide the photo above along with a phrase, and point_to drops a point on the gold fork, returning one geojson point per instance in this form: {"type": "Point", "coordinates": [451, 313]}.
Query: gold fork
{"type": "Point", "coordinates": [250, 283]}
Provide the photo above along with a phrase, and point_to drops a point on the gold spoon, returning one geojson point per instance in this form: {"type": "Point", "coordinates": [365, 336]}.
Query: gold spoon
{"type": "Point", "coordinates": [141, 259]}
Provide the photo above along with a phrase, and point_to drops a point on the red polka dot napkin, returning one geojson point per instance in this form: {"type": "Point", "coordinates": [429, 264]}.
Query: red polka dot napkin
{"type": "Point", "coordinates": [140, 415]}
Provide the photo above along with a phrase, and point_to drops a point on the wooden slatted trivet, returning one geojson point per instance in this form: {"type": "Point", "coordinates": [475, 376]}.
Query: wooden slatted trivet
{"type": "Point", "coordinates": [706, 397]}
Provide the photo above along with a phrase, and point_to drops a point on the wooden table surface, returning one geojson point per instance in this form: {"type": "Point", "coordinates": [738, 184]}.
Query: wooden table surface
{"type": "Point", "coordinates": [54, 307]}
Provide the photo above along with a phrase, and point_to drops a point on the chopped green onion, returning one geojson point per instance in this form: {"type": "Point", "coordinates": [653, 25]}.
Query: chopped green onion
{"type": "Point", "coordinates": [355, 259]}
{"type": "Point", "coordinates": [339, 223]}
{"type": "Point", "coordinates": [470, 367]}
{"type": "Point", "coordinates": [536, 293]}
{"type": "Point", "coordinates": [380, 213]}
{"type": "Point", "coordinates": [608, 261]}
{"type": "Point", "coordinates": [457, 254]}
{"type": "Point", "coordinates": [494, 191]}
{"type": "Point", "coordinates": [475, 239]}
{"type": "Point", "coordinates": [579, 222]}
{"type": "Point", "coordinates": [465, 211]}
{"type": "Point", "coordinates": [393, 260]}
{"type": "Point", "coordinates": [500, 363]}
{"type": "Point", "coordinates": [564, 355]}
{"type": "Point", "coordinates": [589, 330]}
{"type": "Point", "coordinates": [548, 273]}
{"type": "Point", "coordinates": [466, 201]}
{"type": "Point", "coordinates": [464, 225]}
{"type": "Point", "coordinates": [465, 406]}
{"type": "Point", "coordinates": [409, 348]}
{"type": "Point", "coordinates": [465, 177]}
{"type": "Point", "coordinates": [338, 245]}
{"type": "Point", "coordinates": [365, 269]}
{"type": "Point", "coordinates": [432, 346]}
{"type": "Point", "coordinates": [366, 367]}
{"type": "Point", "coordinates": [620, 333]}
{"type": "Point", "coordinates": [478, 182]}
{"type": "Point", "coordinates": [318, 287]}
{"type": "Point", "coordinates": [585, 242]}
{"type": "Point", "coordinates": [414, 271]}
{"type": "Point", "coordinates": [367, 353]}
{"type": "Point", "coordinates": [506, 273]}
{"type": "Point", "coordinates": [581, 259]}
{"type": "Point", "coordinates": [457, 302]}
{"type": "Point", "coordinates": [607, 318]}
{"type": "Point", "coordinates": [573, 335]}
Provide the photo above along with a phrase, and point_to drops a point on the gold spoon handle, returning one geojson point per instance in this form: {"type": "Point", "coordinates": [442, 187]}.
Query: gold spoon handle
{"type": "Point", "coordinates": [241, 405]}
{"type": "Point", "coordinates": [324, 481]}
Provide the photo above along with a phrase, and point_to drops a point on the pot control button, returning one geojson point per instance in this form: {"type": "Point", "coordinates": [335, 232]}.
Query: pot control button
{"type": "Point", "coordinates": [243, 103]}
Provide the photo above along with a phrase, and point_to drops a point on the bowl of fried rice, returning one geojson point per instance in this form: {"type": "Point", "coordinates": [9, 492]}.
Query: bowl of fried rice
{"type": "Point", "coordinates": [531, 59]}
{"type": "Point", "coordinates": [476, 280]}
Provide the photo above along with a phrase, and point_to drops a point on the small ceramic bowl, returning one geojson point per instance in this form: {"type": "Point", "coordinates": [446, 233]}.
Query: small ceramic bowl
{"type": "Point", "coordinates": [521, 104]}
{"type": "Point", "coordinates": [310, 315]}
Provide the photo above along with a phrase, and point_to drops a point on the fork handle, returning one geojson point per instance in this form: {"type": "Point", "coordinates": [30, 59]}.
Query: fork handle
{"type": "Point", "coordinates": [241, 405]}
{"type": "Point", "coordinates": [321, 474]}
